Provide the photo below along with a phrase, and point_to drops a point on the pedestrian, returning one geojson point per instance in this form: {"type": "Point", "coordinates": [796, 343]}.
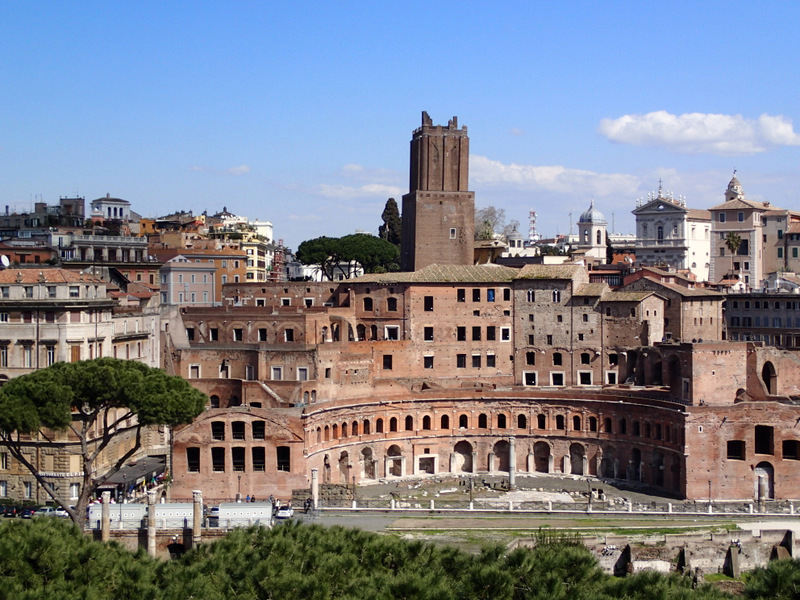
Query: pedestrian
{"type": "Point", "coordinates": [248, 498]}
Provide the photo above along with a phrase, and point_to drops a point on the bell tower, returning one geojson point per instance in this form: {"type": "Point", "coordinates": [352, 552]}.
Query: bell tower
{"type": "Point", "coordinates": [438, 211]}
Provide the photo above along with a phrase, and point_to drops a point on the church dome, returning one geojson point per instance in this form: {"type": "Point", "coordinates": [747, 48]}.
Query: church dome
{"type": "Point", "coordinates": [592, 215]}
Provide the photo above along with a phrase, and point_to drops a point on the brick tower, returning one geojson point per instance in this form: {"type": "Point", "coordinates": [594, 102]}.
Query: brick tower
{"type": "Point", "coordinates": [438, 211]}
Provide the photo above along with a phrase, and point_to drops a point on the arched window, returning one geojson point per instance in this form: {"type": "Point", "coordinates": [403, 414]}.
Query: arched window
{"type": "Point", "coordinates": [365, 426]}
{"type": "Point", "coordinates": [599, 237]}
{"type": "Point", "coordinates": [327, 434]}
{"type": "Point", "coordinates": [214, 401]}
{"type": "Point", "coordinates": [556, 295]}
{"type": "Point", "coordinates": [585, 236]}
{"type": "Point", "coordinates": [344, 430]}
{"type": "Point", "coordinates": [319, 435]}
{"type": "Point", "coordinates": [623, 426]}
{"type": "Point", "coordinates": [560, 422]}
{"type": "Point", "coordinates": [409, 423]}
{"type": "Point", "coordinates": [354, 428]}
{"type": "Point", "coordinates": [522, 422]}
{"type": "Point", "coordinates": [445, 423]}
{"type": "Point", "coordinates": [592, 423]}
{"type": "Point", "coordinates": [483, 421]}
{"type": "Point", "coordinates": [501, 421]}
{"type": "Point", "coordinates": [393, 424]}
{"type": "Point", "coordinates": [531, 295]}
{"type": "Point", "coordinates": [576, 423]}
{"type": "Point", "coordinates": [379, 426]}
{"type": "Point", "coordinates": [660, 232]}
{"type": "Point", "coordinates": [541, 421]}
{"type": "Point", "coordinates": [463, 422]}
{"type": "Point", "coordinates": [636, 429]}
{"type": "Point", "coordinates": [644, 231]}
{"type": "Point", "coordinates": [426, 422]}
{"type": "Point", "coordinates": [335, 432]}
{"type": "Point", "coordinates": [607, 427]}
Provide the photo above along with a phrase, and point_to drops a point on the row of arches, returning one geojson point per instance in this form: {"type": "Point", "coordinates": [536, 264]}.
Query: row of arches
{"type": "Point", "coordinates": [653, 467]}
{"type": "Point", "coordinates": [642, 428]}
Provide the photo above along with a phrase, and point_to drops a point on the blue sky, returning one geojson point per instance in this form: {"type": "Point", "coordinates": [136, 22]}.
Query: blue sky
{"type": "Point", "coordinates": [302, 112]}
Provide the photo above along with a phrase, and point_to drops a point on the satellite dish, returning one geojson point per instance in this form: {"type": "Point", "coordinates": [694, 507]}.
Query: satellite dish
{"type": "Point", "coordinates": [4, 262]}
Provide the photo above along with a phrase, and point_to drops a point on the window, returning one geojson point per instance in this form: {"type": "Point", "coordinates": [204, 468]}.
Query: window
{"type": "Point", "coordinates": [461, 295]}
{"type": "Point", "coordinates": [262, 334]}
{"type": "Point", "coordinates": [302, 373]}
{"type": "Point", "coordinates": [556, 295]}
{"type": "Point", "coordinates": [557, 358]}
{"type": "Point", "coordinates": [461, 361]}
{"type": "Point", "coordinates": [74, 491]}
{"type": "Point", "coordinates": [428, 334]}
{"type": "Point", "coordinates": [490, 361]}
{"type": "Point", "coordinates": [3, 356]}
{"type": "Point", "coordinates": [286, 301]}
{"type": "Point", "coordinates": [780, 234]}
{"type": "Point", "coordinates": [277, 373]}
{"type": "Point", "coordinates": [531, 339]}
{"type": "Point", "coordinates": [721, 217]}
{"type": "Point", "coordinates": [764, 439]}
{"type": "Point", "coordinates": [556, 379]}
{"type": "Point", "coordinates": [490, 333]}
{"type": "Point", "coordinates": [585, 377]}
{"type": "Point", "coordinates": [428, 303]}
{"type": "Point", "coordinates": [28, 490]}
{"type": "Point", "coordinates": [461, 334]}
{"type": "Point", "coordinates": [791, 450]}
{"type": "Point", "coordinates": [476, 361]}
{"type": "Point", "coordinates": [51, 355]}
{"type": "Point", "coordinates": [476, 295]}
{"type": "Point", "coordinates": [427, 362]}
{"type": "Point", "coordinates": [387, 362]}
{"type": "Point", "coordinates": [529, 378]}
{"type": "Point", "coordinates": [28, 291]}
{"type": "Point", "coordinates": [288, 334]}
{"type": "Point", "coordinates": [238, 335]}
{"type": "Point", "coordinates": [490, 295]}
{"type": "Point", "coordinates": [585, 358]}
{"type": "Point", "coordinates": [193, 460]}
{"type": "Point", "coordinates": [284, 458]}
{"type": "Point", "coordinates": [3, 460]}
{"type": "Point", "coordinates": [218, 460]}
{"type": "Point", "coordinates": [392, 332]}
{"type": "Point", "coordinates": [453, 233]}
{"type": "Point", "coordinates": [530, 358]}
{"type": "Point", "coordinates": [736, 449]}
{"type": "Point", "coordinates": [409, 423]}
{"type": "Point", "coordinates": [505, 334]}
{"type": "Point", "coordinates": [391, 304]}
{"type": "Point", "coordinates": [585, 318]}
{"type": "Point", "coordinates": [530, 296]}
{"type": "Point", "coordinates": [740, 217]}
{"type": "Point", "coordinates": [506, 294]}
{"type": "Point", "coordinates": [237, 458]}
{"type": "Point", "coordinates": [213, 334]}
{"type": "Point", "coordinates": [218, 431]}
{"type": "Point", "coordinates": [476, 334]}
{"type": "Point", "coordinates": [367, 304]}
{"type": "Point", "coordinates": [259, 459]}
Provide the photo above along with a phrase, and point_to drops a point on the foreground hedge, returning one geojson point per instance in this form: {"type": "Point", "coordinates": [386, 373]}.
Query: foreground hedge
{"type": "Point", "coordinates": [50, 558]}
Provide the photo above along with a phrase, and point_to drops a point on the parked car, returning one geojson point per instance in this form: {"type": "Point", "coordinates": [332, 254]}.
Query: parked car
{"type": "Point", "coordinates": [11, 512]}
{"type": "Point", "coordinates": [284, 512]}
{"type": "Point", "coordinates": [27, 513]}
{"type": "Point", "coordinates": [45, 511]}
{"type": "Point", "coordinates": [62, 512]}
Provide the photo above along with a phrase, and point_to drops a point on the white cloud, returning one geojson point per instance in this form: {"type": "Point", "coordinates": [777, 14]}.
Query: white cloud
{"type": "Point", "coordinates": [362, 173]}
{"type": "Point", "coordinates": [238, 171]}
{"type": "Point", "coordinates": [516, 131]}
{"type": "Point", "coordinates": [364, 191]}
{"type": "Point", "coordinates": [553, 178]}
{"type": "Point", "coordinates": [695, 133]}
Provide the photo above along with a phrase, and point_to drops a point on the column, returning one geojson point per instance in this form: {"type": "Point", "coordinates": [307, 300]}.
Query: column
{"type": "Point", "coordinates": [105, 519]}
{"type": "Point", "coordinates": [197, 517]}
{"type": "Point", "coordinates": [315, 488]}
{"type": "Point", "coordinates": [512, 463]}
{"type": "Point", "coordinates": [531, 462]}
{"type": "Point", "coordinates": [151, 523]}
{"type": "Point", "coordinates": [491, 462]}
{"type": "Point", "coordinates": [551, 461]}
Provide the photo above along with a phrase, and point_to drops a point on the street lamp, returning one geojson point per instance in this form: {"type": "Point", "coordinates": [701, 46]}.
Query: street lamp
{"type": "Point", "coordinates": [239, 495]}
